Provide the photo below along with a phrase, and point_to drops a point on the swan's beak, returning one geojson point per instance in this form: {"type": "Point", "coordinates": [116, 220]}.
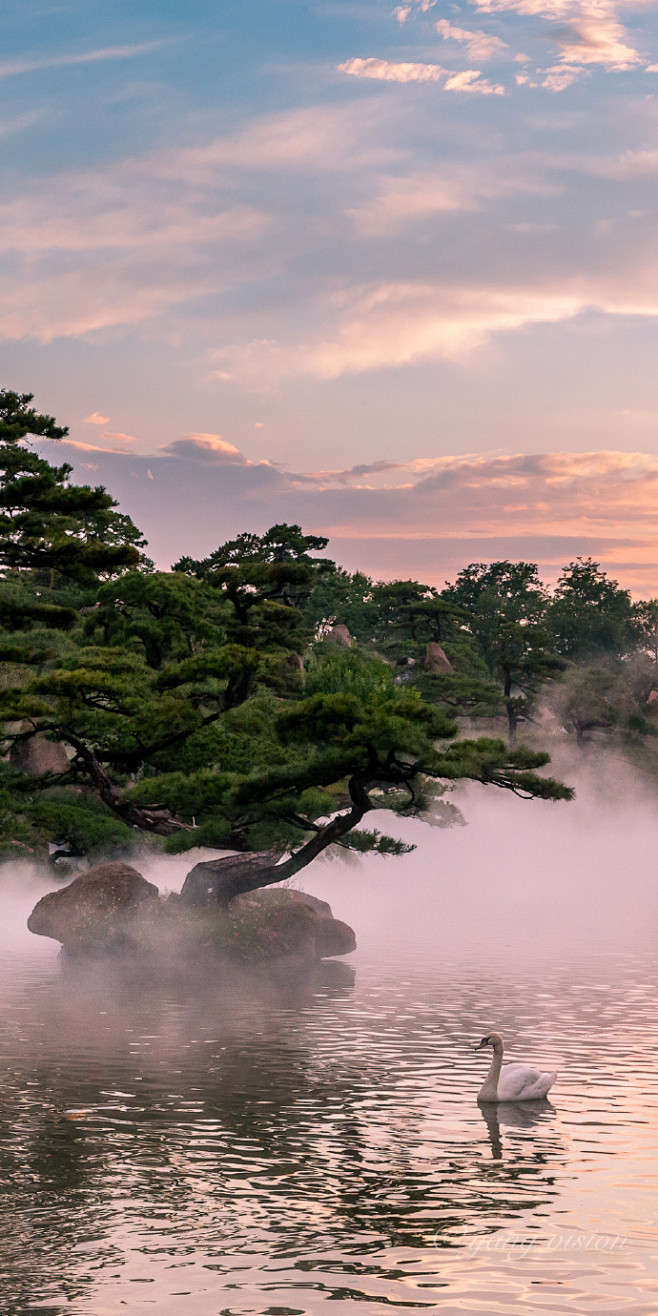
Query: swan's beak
{"type": "Point", "coordinates": [479, 1045]}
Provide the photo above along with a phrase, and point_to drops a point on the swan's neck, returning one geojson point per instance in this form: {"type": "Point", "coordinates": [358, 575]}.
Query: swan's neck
{"type": "Point", "coordinates": [489, 1089]}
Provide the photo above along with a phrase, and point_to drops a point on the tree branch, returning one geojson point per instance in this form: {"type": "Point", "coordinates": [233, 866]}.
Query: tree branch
{"type": "Point", "coordinates": [220, 880]}
{"type": "Point", "coordinates": [149, 819]}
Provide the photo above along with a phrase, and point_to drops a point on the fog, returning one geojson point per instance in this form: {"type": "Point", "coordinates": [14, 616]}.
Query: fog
{"type": "Point", "coordinates": [521, 880]}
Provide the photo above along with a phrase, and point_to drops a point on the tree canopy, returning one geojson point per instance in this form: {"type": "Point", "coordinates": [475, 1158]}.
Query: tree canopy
{"type": "Point", "coordinates": [209, 704]}
{"type": "Point", "coordinates": [206, 705]}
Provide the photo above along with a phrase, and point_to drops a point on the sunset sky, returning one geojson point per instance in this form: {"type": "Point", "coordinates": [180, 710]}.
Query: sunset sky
{"type": "Point", "coordinates": [387, 271]}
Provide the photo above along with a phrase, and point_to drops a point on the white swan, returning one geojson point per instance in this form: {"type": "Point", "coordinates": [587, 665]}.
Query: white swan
{"type": "Point", "coordinates": [511, 1082]}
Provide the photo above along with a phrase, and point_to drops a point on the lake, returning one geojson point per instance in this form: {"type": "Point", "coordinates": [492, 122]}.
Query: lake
{"type": "Point", "coordinates": [271, 1144]}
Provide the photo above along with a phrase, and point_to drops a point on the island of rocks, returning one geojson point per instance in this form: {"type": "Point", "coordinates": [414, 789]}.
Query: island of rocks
{"type": "Point", "coordinates": [111, 910]}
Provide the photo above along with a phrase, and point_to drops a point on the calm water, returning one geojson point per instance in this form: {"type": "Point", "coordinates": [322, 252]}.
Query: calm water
{"type": "Point", "coordinates": [270, 1146]}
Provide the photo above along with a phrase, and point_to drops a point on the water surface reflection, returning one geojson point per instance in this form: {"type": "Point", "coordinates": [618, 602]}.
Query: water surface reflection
{"type": "Point", "coordinates": [266, 1145]}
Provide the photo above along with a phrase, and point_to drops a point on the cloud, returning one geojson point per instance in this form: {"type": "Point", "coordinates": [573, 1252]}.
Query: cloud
{"type": "Point", "coordinates": [117, 437]}
{"type": "Point", "coordinates": [385, 71]}
{"type": "Point", "coordinates": [411, 196]}
{"type": "Point", "coordinates": [176, 244]}
{"type": "Point", "coordinates": [323, 137]}
{"type": "Point", "coordinates": [470, 80]}
{"type": "Point", "coordinates": [366, 327]}
{"type": "Point", "coordinates": [89, 447]}
{"type": "Point", "coordinates": [19, 122]}
{"type": "Point", "coordinates": [595, 40]}
{"type": "Point", "coordinates": [382, 70]}
{"type": "Point", "coordinates": [480, 45]}
{"type": "Point", "coordinates": [402, 198]}
{"type": "Point", "coordinates": [209, 450]}
{"type": "Point", "coordinates": [88, 216]}
{"type": "Point", "coordinates": [559, 77]}
{"type": "Point", "coordinates": [96, 419]}
{"type": "Point", "coordinates": [127, 243]}
{"type": "Point", "coordinates": [207, 447]}
{"type": "Point", "coordinates": [86, 300]}
{"type": "Point", "coordinates": [397, 324]}
{"type": "Point", "coordinates": [12, 68]}
{"type": "Point", "coordinates": [421, 515]}
{"type": "Point", "coordinates": [585, 31]}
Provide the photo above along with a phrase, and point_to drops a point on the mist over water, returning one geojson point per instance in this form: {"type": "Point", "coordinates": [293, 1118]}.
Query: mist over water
{"type": "Point", "coordinates": [521, 880]}
{"type": "Point", "coordinates": [271, 1143]}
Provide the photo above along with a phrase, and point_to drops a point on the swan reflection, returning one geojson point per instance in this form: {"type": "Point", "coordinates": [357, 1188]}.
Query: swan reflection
{"type": "Point", "coordinates": [513, 1115]}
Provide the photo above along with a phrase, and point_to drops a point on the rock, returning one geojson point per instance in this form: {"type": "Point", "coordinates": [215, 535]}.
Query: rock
{"type": "Point", "coordinates": [320, 907]}
{"type": "Point", "coordinates": [295, 924]}
{"type": "Point", "coordinates": [436, 659]}
{"type": "Point", "coordinates": [340, 635]}
{"type": "Point", "coordinates": [38, 755]}
{"type": "Point", "coordinates": [332, 936]}
{"type": "Point", "coordinates": [96, 910]}
{"type": "Point", "coordinates": [295, 662]}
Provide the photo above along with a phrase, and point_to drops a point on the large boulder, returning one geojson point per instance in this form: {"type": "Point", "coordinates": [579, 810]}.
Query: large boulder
{"type": "Point", "coordinates": [340, 635]}
{"type": "Point", "coordinates": [38, 755]}
{"type": "Point", "coordinates": [436, 659]}
{"type": "Point", "coordinates": [97, 910]}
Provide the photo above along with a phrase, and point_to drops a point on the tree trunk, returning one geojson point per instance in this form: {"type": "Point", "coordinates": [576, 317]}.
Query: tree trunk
{"type": "Point", "coordinates": [512, 723]}
{"type": "Point", "coordinates": [218, 881]}
{"type": "Point", "coordinates": [512, 716]}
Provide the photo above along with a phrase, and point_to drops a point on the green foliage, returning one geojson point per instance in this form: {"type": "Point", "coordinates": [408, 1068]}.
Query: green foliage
{"type": "Point", "coordinates": [363, 841]}
{"type": "Point", "coordinates": [18, 419]}
{"type": "Point", "coordinates": [410, 615]}
{"type": "Point", "coordinates": [182, 698]}
{"type": "Point", "coordinates": [339, 671]}
{"type": "Point", "coordinates": [85, 823]}
{"type": "Point", "coordinates": [265, 580]}
{"type": "Point", "coordinates": [645, 615]}
{"type": "Point", "coordinates": [506, 605]}
{"type": "Point", "coordinates": [459, 693]}
{"type": "Point", "coordinates": [603, 698]}
{"type": "Point", "coordinates": [339, 598]}
{"type": "Point", "coordinates": [166, 615]}
{"type": "Point", "coordinates": [590, 615]}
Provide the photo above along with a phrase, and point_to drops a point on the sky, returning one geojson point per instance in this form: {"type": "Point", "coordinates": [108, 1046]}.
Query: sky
{"type": "Point", "coordinates": [387, 271]}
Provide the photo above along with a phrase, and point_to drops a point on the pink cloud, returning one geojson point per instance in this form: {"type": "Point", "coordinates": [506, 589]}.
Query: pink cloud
{"type": "Point", "coordinates": [480, 45]}
{"type": "Point", "coordinates": [586, 31]}
{"type": "Point", "coordinates": [384, 71]}
{"type": "Point", "coordinates": [209, 449]}
{"type": "Point", "coordinates": [418, 515]}
{"type": "Point", "coordinates": [118, 437]}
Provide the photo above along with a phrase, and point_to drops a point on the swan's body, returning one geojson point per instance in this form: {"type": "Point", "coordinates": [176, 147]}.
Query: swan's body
{"type": "Point", "coordinates": [512, 1082]}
